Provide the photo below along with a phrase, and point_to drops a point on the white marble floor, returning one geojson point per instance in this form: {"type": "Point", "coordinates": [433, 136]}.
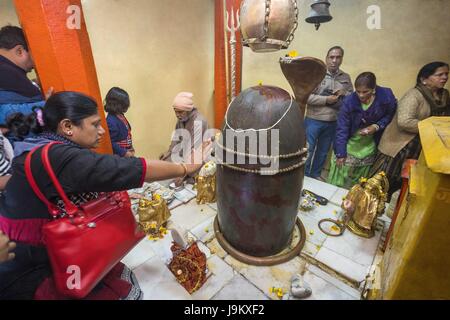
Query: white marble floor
{"type": "Point", "coordinates": [335, 266]}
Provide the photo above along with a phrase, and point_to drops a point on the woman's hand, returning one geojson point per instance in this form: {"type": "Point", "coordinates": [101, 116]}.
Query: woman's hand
{"type": "Point", "coordinates": [49, 93]}
{"type": "Point", "coordinates": [199, 156]}
{"type": "Point", "coordinates": [5, 247]}
{"type": "Point", "coordinates": [129, 154]}
{"type": "Point", "coordinates": [162, 170]}
{"type": "Point", "coordinates": [340, 162]}
{"type": "Point", "coordinates": [178, 182]}
{"type": "Point", "coordinates": [368, 131]}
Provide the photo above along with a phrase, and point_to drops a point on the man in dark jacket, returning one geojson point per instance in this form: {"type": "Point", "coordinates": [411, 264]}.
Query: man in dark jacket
{"type": "Point", "coordinates": [17, 92]}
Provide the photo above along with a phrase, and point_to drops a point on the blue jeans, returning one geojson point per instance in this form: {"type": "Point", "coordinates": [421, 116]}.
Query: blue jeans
{"type": "Point", "coordinates": [320, 136]}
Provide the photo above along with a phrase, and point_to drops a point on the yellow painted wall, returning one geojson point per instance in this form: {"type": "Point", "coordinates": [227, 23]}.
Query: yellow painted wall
{"type": "Point", "coordinates": [155, 48]}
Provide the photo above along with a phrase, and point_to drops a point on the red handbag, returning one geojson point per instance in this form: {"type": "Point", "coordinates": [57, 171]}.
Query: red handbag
{"type": "Point", "coordinates": [90, 240]}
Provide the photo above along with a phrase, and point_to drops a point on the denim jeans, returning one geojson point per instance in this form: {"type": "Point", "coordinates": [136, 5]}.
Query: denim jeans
{"type": "Point", "coordinates": [320, 136]}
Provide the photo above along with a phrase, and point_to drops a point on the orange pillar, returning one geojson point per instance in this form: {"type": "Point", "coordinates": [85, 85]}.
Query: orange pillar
{"type": "Point", "coordinates": [59, 43]}
{"type": "Point", "coordinates": [222, 59]}
{"type": "Point", "coordinates": [220, 63]}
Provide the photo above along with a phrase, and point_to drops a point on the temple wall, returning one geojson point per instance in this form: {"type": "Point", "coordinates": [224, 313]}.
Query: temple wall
{"type": "Point", "coordinates": [413, 33]}
{"type": "Point", "coordinates": [154, 49]}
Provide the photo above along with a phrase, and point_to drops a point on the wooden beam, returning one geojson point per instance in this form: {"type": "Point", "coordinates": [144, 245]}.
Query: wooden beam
{"type": "Point", "coordinates": [59, 43]}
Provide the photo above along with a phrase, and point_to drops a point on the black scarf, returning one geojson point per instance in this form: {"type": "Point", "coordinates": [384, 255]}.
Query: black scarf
{"type": "Point", "coordinates": [439, 107]}
{"type": "Point", "coordinates": [14, 78]}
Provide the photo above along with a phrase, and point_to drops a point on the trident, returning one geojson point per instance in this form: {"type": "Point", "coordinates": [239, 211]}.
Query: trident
{"type": "Point", "coordinates": [232, 28]}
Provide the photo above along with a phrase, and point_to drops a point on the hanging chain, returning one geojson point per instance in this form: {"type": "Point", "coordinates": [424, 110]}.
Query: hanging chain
{"type": "Point", "coordinates": [266, 21]}
{"type": "Point", "coordinates": [291, 36]}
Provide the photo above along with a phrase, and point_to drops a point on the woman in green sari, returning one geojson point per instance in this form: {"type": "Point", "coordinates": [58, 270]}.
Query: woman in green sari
{"type": "Point", "coordinates": [363, 117]}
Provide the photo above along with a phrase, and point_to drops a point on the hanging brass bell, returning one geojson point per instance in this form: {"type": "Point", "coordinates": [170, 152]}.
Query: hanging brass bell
{"type": "Point", "coordinates": [319, 13]}
{"type": "Point", "coordinates": [269, 25]}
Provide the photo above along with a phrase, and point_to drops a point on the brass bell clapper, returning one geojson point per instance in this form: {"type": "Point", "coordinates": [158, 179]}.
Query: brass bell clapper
{"type": "Point", "coordinates": [319, 13]}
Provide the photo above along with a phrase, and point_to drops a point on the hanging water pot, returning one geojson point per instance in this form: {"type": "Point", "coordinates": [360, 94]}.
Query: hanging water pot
{"type": "Point", "coordinates": [268, 25]}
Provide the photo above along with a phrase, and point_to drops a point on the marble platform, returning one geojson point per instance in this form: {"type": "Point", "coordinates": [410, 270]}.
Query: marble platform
{"type": "Point", "coordinates": [336, 267]}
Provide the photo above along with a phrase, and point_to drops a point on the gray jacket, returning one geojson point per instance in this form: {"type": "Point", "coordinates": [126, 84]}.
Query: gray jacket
{"type": "Point", "coordinates": [317, 108]}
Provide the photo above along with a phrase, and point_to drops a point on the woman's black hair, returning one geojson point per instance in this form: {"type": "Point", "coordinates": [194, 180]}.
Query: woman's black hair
{"type": "Point", "coordinates": [429, 69]}
{"type": "Point", "coordinates": [20, 125]}
{"type": "Point", "coordinates": [74, 106]}
{"type": "Point", "coordinates": [366, 79]}
{"type": "Point", "coordinates": [70, 105]}
{"type": "Point", "coordinates": [117, 101]}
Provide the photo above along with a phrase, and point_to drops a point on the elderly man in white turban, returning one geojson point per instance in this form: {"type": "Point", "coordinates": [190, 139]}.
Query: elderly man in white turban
{"type": "Point", "coordinates": [190, 123]}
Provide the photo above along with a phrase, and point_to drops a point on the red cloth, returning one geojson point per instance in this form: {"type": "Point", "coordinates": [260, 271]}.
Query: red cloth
{"type": "Point", "coordinates": [112, 287]}
{"type": "Point", "coordinates": [28, 231]}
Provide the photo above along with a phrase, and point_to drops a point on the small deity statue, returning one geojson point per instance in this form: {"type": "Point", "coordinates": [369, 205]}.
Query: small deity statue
{"type": "Point", "coordinates": [205, 183]}
{"type": "Point", "coordinates": [189, 266]}
{"type": "Point", "coordinates": [364, 203]}
{"type": "Point", "coordinates": [153, 214]}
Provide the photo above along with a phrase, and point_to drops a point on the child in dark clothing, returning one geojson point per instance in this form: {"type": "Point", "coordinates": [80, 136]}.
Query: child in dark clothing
{"type": "Point", "coordinates": [6, 247]}
{"type": "Point", "coordinates": [117, 103]}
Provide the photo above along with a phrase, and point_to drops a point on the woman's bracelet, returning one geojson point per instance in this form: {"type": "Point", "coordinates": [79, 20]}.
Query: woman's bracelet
{"type": "Point", "coordinates": [377, 127]}
{"type": "Point", "coordinates": [185, 173]}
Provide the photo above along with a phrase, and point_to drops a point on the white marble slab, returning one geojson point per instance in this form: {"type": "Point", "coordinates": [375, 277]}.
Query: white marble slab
{"type": "Point", "coordinates": [323, 290]}
{"type": "Point", "coordinates": [343, 265]}
{"type": "Point", "coordinates": [216, 248]}
{"type": "Point", "coordinates": [313, 233]}
{"type": "Point", "coordinates": [235, 264]}
{"type": "Point", "coordinates": [203, 248]}
{"type": "Point", "coordinates": [240, 288]}
{"type": "Point", "coordinates": [318, 187]}
{"type": "Point", "coordinates": [310, 249]}
{"type": "Point", "coordinates": [335, 282]}
{"type": "Point", "coordinates": [205, 230]}
{"type": "Point", "coordinates": [161, 248]}
{"type": "Point", "coordinates": [213, 205]}
{"type": "Point", "coordinates": [330, 211]}
{"type": "Point", "coordinates": [158, 283]}
{"type": "Point", "coordinates": [142, 252]}
{"type": "Point", "coordinates": [353, 247]}
{"type": "Point", "coordinates": [191, 215]}
{"type": "Point", "coordinates": [278, 276]}
{"type": "Point", "coordinates": [338, 195]}
{"type": "Point", "coordinates": [222, 274]}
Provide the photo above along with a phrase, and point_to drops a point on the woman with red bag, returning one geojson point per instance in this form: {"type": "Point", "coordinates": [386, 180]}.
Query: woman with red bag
{"type": "Point", "coordinates": [72, 120]}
